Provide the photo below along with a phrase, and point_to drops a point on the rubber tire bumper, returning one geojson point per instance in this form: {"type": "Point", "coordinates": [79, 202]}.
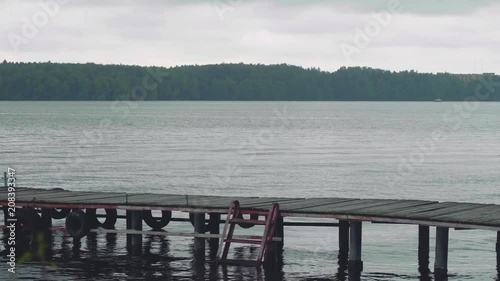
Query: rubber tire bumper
{"type": "Point", "coordinates": [77, 224]}
{"type": "Point", "coordinates": [109, 222]}
{"type": "Point", "coordinates": [247, 225]}
{"type": "Point", "coordinates": [55, 214]}
{"type": "Point", "coordinates": [156, 223]}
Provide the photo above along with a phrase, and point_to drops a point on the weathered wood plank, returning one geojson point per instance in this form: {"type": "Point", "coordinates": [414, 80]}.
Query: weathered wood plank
{"type": "Point", "coordinates": [90, 198]}
{"type": "Point", "coordinates": [55, 197]}
{"type": "Point", "coordinates": [31, 190]}
{"type": "Point", "coordinates": [457, 207]}
{"type": "Point", "coordinates": [339, 204]}
{"type": "Point", "coordinates": [157, 198]}
{"type": "Point", "coordinates": [388, 209]}
{"type": "Point", "coordinates": [346, 207]}
{"type": "Point", "coordinates": [495, 222]}
{"type": "Point", "coordinates": [309, 203]}
{"type": "Point", "coordinates": [285, 204]}
{"type": "Point", "coordinates": [181, 201]}
{"type": "Point", "coordinates": [71, 193]}
{"type": "Point", "coordinates": [359, 208]}
{"type": "Point", "coordinates": [483, 210]}
{"type": "Point", "coordinates": [37, 193]}
{"type": "Point", "coordinates": [110, 198]}
{"type": "Point", "coordinates": [414, 211]}
{"type": "Point", "coordinates": [485, 218]}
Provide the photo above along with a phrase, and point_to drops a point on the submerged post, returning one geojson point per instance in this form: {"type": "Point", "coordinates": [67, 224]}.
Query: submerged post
{"type": "Point", "coordinates": [275, 257]}
{"type": "Point", "coordinates": [214, 222]}
{"type": "Point", "coordinates": [5, 216]}
{"type": "Point", "coordinates": [343, 240]}
{"type": "Point", "coordinates": [5, 208]}
{"type": "Point", "coordinates": [199, 227]}
{"type": "Point", "coordinates": [441, 260]}
{"type": "Point", "coordinates": [134, 241]}
{"type": "Point", "coordinates": [46, 218]}
{"type": "Point", "coordinates": [355, 240]}
{"type": "Point", "coordinates": [498, 252]}
{"type": "Point", "coordinates": [199, 247]}
{"type": "Point", "coordinates": [423, 249]}
{"type": "Point", "coordinates": [280, 232]}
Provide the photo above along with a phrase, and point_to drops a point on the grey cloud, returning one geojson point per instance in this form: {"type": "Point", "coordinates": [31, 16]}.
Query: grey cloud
{"type": "Point", "coordinates": [306, 33]}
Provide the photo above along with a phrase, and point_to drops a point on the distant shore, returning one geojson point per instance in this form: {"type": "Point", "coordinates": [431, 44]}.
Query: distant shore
{"type": "Point", "coordinates": [235, 82]}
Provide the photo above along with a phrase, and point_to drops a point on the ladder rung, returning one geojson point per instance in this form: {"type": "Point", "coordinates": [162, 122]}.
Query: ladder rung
{"type": "Point", "coordinates": [244, 241]}
{"type": "Point", "coordinates": [257, 222]}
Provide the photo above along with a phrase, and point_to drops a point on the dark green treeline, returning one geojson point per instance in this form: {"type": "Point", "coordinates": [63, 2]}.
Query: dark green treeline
{"type": "Point", "coordinates": [54, 81]}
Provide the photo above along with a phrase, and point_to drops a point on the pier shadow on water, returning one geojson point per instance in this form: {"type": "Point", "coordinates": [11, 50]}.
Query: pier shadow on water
{"type": "Point", "coordinates": [104, 257]}
{"type": "Point", "coordinates": [53, 256]}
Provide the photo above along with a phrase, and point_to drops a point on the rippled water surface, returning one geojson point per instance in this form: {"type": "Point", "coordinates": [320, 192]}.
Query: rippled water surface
{"type": "Point", "coordinates": [433, 151]}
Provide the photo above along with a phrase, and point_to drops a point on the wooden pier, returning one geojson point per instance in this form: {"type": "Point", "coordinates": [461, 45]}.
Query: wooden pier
{"type": "Point", "coordinates": [348, 214]}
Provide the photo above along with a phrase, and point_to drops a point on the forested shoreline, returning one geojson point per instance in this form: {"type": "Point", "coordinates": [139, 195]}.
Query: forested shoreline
{"type": "Point", "coordinates": [62, 81]}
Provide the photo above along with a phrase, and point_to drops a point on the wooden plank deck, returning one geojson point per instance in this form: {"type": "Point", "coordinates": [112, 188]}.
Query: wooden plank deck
{"type": "Point", "coordinates": [444, 214]}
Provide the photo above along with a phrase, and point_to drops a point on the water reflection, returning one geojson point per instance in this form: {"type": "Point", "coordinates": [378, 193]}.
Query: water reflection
{"type": "Point", "coordinates": [343, 261]}
{"type": "Point", "coordinates": [423, 267]}
{"type": "Point", "coordinates": [104, 257]}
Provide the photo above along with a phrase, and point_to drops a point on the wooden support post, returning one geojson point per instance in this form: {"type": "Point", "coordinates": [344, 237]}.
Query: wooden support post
{"type": "Point", "coordinates": [343, 257]}
{"type": "Point", "coordinates": [498, 252]}
{"type": "Point", "coordinates": [46, 218]}
{"type": "Point", "coordinates": [423, 249]}
{"type": "Point", "coordinates": [273, 261]}
{"type": "Point", "coordinates": [44, 237]}
{"type": "Point", "coordinates": [199, 227]}
{"type": "Point", "coordinates": [343, 240]}
{"type": "Point", "coordinates": [136, 224]}
{"type": "Point", "coordinates": [128, 221]}
{"type": "Point", "coordinates": [77, 244]}
{"type": "Point", "coordinates": [441, 260]}
{"type": "Point", "coordinates": [355, 240]}
{"type": "Point", "coordinates": [274, 258]}
{"type": "Point", "coordinates": [280, 232]}
{"type": "Point", "coordinates": [134, 241]}
{"type": "Point", "coordinates": [5, 216]}
{"type": "Point", "coordinates": [214, 223]}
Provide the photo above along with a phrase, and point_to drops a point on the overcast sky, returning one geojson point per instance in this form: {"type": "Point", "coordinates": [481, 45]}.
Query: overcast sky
{"type": "Point", "coordinates": [459, 36]}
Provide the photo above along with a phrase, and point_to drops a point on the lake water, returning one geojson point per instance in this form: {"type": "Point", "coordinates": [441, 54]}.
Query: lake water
{"type": "Point", "coordinates": [434, 151]}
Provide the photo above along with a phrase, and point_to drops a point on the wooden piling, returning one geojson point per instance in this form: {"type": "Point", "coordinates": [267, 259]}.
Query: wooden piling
{"type": "Point", "coordinates": [498, 252]}
{"type": "Point", "coordinates": [199, 227]}
{"type": "Point", "coordinates": [214, 224]}
{"type": "Point", "coordinates": [441, 259]}
{"type": "Point", "coordinates": [355, 241]}
{"type": "Point", "coordinates": [5, 215]}
{"type": "Point", "coordinates": [46, 218]}
{"type": "Point", "coordinates": [280, 232]}
{"type": "Point", "coordinates": [134, 241]}
{"type": "Point", "coordinates": [343, 240]}
{"type": "Point", "coordinates": [423, 249]}
{"type": "Point", "coordinates": [274, 258]}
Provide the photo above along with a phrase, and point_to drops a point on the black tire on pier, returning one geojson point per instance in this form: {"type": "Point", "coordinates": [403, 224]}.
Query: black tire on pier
{"type": "Point", "coordinates": [247, 225]}
{"type": "Point", "coordinates": [109, 222]}
{"type": "Point", "coordinates": [59, 213]}
{"type": "Point", "coordinates": [77, 224]}
{"type": "Point", "coordinates": [156, 223]}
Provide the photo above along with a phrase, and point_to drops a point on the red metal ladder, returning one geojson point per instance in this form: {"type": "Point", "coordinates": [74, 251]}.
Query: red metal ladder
{"type": "Point", "coordinates": [233, 218]}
